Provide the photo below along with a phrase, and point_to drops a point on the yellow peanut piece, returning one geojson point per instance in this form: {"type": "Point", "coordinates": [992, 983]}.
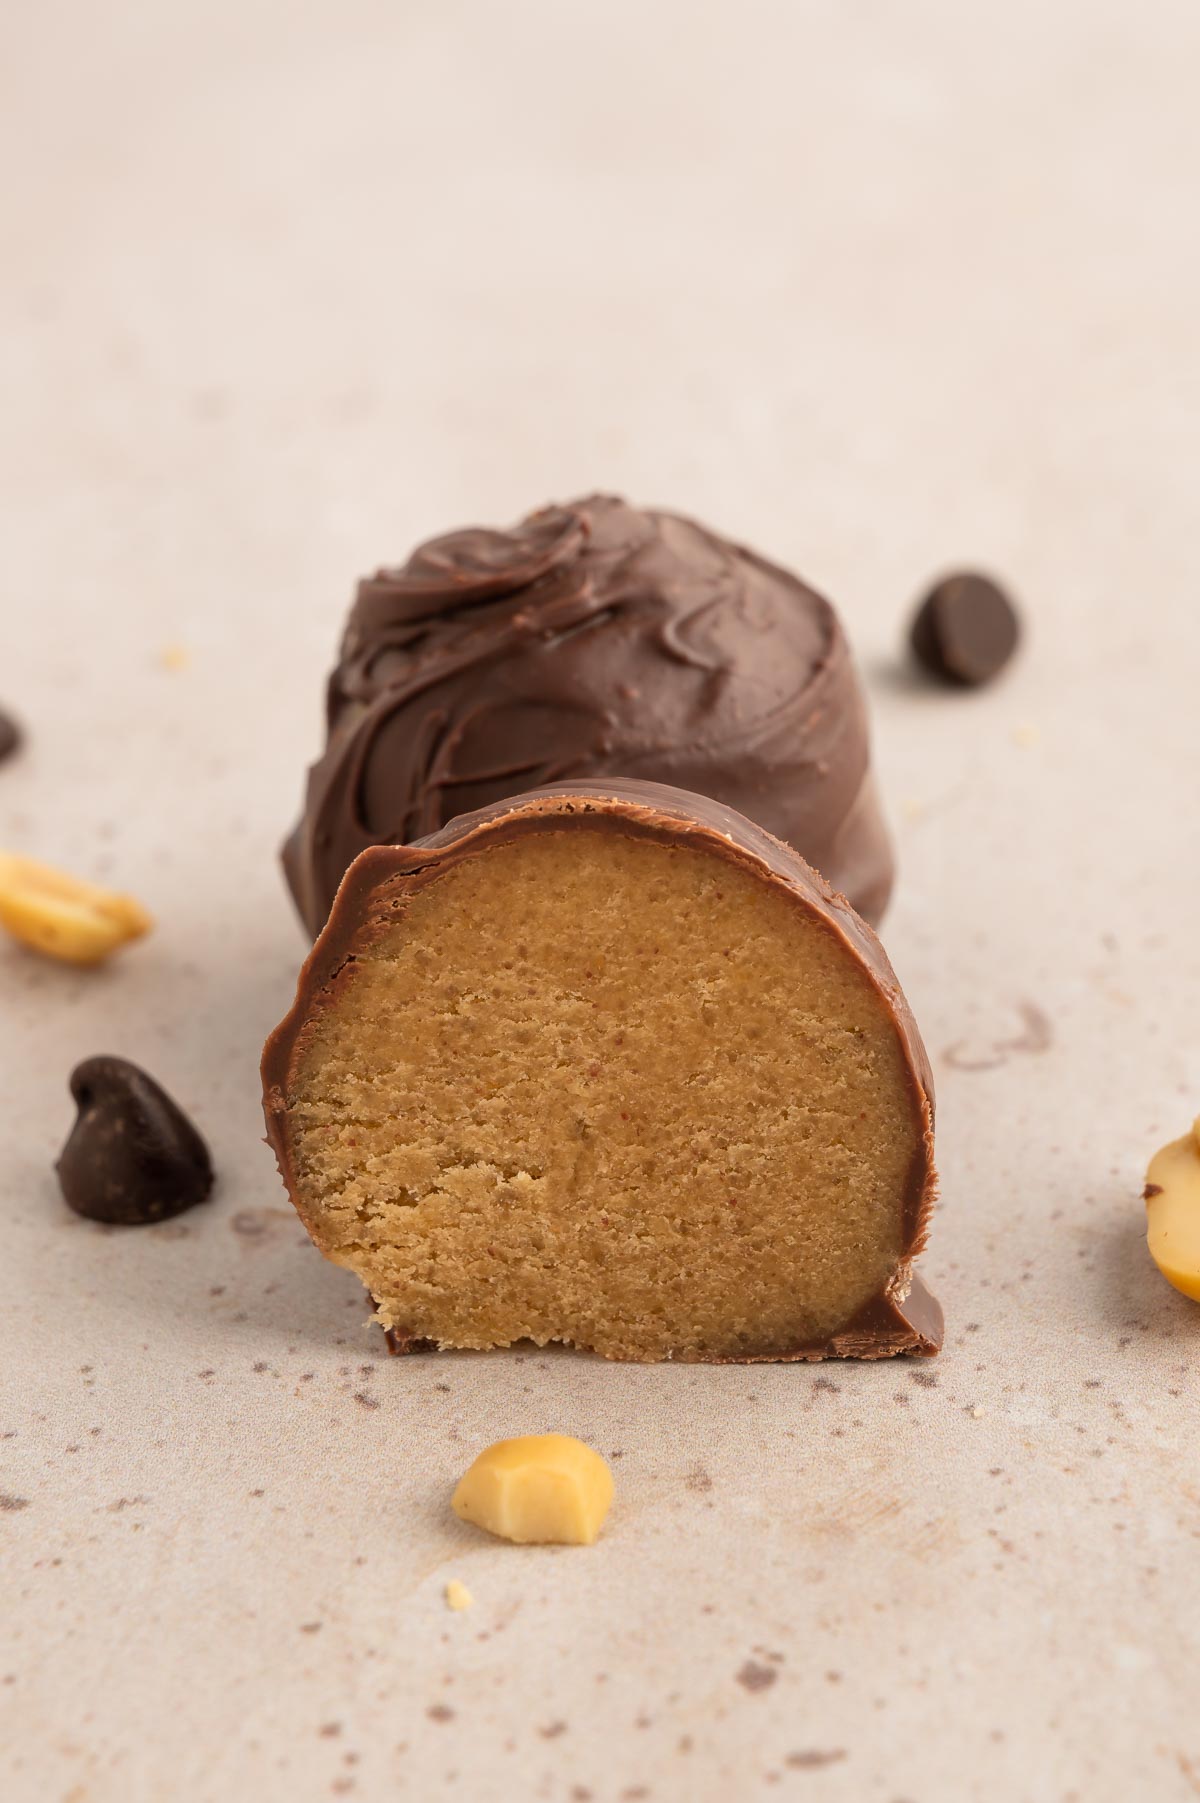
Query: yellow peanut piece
{"type": "Point", "coordinates": [1172, 1197]}
{"type": "Point", "coordinates": [64, 917]}
{"type": "Point", "coordinates": [457, 1595]}
{"type": "Point", "coordinates": [539, 1488]}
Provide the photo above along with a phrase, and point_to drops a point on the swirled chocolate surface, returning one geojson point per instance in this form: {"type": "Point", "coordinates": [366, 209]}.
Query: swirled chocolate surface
{"type": "Point", "coordinates": [591, 640]}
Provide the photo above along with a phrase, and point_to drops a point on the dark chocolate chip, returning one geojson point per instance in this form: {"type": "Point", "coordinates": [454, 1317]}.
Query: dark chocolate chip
{"type": "Point", "coordinates": [965, 630]}
{"type": "Point", "coordinates": [10, 736]}
{"type": "Point", "coordinates": [132, 1156]}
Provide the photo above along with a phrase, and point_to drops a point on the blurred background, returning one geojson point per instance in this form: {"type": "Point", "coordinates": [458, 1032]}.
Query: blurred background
{"type": "Point", "coordinates": [288, 285]}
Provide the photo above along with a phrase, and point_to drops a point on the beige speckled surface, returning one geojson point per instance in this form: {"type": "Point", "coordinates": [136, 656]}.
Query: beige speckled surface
{"type": "Point", "coordinates": [877, 288]}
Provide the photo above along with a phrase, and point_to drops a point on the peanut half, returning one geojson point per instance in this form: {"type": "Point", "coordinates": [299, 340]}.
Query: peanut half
{"type": "Point", "coordinates": [1172, 1198]}
{"type": "Point", "coordinates": [68, 919]}
{"type": "Point", "coordinates": [539, 1488]}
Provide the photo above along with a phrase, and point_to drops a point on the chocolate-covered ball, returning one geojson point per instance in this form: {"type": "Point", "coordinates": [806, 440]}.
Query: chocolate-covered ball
{"type": "Point", "coordinates": [592, 640]}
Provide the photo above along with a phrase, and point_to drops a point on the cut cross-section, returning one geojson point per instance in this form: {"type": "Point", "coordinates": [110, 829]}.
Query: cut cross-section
{"type": "Point", "coordinates": [608, 1065]}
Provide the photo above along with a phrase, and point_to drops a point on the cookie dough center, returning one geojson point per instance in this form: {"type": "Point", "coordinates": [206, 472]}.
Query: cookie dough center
{"type": "Point", "coordinates": [593, 1088]}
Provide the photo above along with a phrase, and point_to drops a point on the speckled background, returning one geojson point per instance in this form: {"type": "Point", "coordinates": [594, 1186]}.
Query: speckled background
{"type": "Point", "coordinates": [877, 288]}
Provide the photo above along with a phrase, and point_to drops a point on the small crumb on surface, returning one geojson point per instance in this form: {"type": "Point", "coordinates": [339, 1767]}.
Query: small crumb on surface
{"type": "Point", "coordinates": [175, 657]}
{"type": "Point", "coordinates": [457, 1595]}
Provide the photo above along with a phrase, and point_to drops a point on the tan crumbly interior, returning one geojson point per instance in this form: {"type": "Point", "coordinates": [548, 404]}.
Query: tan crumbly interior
{"type": "Point", "coordinates": [599, 1089]}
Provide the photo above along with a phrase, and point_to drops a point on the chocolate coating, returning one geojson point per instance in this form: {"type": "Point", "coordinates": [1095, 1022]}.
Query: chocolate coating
{"type": "Point", "coordinates": [133, 1156]}
{"type": "Point", "coordinates": [965, 631]}
{"type": "Point", "coordinates": [903, 1318]}
{"type": "Point", "coordinates": [591, 641]}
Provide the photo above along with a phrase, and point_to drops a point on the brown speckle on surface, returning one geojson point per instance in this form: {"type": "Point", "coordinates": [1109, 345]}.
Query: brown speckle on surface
{"type": "Point", "coordinates": [925, 1380]}
{"type": "Point", "coordinates": [440, 1712]}
{"type": "Point", "coordinates": [698, 1480]}
{"type": "Point", "coordinates": [10, 1504]}
{"type": "Point", "coordinates": [1037, 1030]}
{"type": "Point", "coordinates": [754, 1677]}
{"type": "Point", "coordinates": [812, 1759]}
{"type": "Point", "coordinates": [366, 1402]}
{"type": "Point", "coordinates": [255, 1226]}
{"type": "Point", "coordinates": [328, 1729]}
{"type": "Point", "coordinates": [1036, 1035]}
{"type": "Point", "coordinates": [552, 1730]}
{"type": "Point", "coordinates": [311, 1627]}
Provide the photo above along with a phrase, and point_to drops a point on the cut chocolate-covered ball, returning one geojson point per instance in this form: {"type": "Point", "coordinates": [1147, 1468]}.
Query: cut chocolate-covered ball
{"type": "Point", "coordinates": [965, 630]}
{"type": "Point", "coordinates": [609, 1065]}
{"type": "Point", "coordinates": [132, 1157]}
{"type": "Point", "coordinates": [591, 641]}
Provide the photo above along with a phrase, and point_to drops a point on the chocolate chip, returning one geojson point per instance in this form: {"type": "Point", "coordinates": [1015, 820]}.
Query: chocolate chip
{"type": "Point", "coordinates": [10, 736]}
{"type": "Point", "coordinates": [132, 1156]}
{"type": "Point", "coordinates": [965, 630]}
